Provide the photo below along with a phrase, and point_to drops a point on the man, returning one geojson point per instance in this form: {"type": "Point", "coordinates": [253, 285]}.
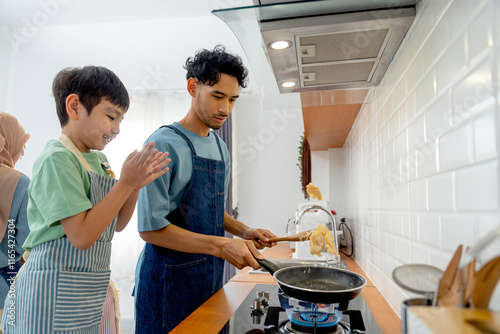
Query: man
{"type": "Point", "coordinates": [181, 216]}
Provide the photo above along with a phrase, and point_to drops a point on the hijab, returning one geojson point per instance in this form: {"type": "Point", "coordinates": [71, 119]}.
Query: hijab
{"type": "Point", "coordinates": [13, 137]}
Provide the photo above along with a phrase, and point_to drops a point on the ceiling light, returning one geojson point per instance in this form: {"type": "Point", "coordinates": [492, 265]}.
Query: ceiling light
{"type": "Point", "coordinates": [280, 45]}
{"type": "Point", "coordinates": [288, 84]}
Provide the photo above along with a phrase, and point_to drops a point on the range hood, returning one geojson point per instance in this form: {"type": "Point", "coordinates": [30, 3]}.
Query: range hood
{"type": "Point", "coordinates": [333, 44]}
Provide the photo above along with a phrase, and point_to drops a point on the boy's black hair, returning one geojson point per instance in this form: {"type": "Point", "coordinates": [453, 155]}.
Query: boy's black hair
{"type": "Point", "coordinates": [91, 84]}
{"type": "Point", "coordinates": [207, 66]}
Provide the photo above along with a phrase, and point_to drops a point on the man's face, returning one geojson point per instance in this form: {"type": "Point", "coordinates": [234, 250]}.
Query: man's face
{"type": "Point", "coordinates": [215, 103]}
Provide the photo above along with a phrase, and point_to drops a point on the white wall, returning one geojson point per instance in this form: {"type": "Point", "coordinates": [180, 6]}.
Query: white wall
{"type": "Point", "coordinates": [423, 158]}
{"type": "Point", "coordinates": [320, 175]}
{"type": "Point", "coordinates": [338, 191]}
{"type": "Point", "coordinates": [266, 151]}
{"type": "Point", "coordinates": [4, 66]}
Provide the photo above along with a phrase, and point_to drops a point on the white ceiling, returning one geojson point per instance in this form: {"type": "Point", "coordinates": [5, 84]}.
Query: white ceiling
{"type": "Point", "coordinates": [186, 25]}
{"type": "Point", "coordinates": [17, 13]}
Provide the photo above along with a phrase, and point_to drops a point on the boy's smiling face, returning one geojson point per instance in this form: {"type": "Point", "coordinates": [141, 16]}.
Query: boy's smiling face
{"type": "Point", "coordinates": [95, 131]}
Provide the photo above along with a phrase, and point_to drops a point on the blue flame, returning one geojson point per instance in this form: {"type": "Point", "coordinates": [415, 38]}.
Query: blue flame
{"type": "Point", "coordinates": [308, 319]}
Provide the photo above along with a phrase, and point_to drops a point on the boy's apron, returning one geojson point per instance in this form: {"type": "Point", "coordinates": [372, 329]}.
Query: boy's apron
{"type": "Point", "coordinates": [173, 284]}
{"type": "Point", "coordinates": [62, 289]}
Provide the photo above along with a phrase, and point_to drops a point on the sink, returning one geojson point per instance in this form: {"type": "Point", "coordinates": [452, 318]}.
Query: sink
{"type": "Point", "coordinates": [295, 263]}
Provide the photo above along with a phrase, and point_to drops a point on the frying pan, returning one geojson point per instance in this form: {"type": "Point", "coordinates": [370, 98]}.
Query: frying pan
{"type": "Point", "coordinates": [316, 284]}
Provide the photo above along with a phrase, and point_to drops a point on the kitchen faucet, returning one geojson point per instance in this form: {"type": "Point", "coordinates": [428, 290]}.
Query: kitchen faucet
{"type": "Point", "coordinates": [333, 226]}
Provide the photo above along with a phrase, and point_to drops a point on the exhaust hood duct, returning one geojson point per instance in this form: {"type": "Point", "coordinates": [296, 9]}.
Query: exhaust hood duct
{"type": "Point", "coordinates": [351, 50]}
{"type": "Point", "coordinates": [335, 44]}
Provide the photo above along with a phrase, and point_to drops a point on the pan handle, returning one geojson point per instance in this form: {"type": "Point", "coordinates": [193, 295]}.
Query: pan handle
{"type": "Point", "coordinates": [268, 265]}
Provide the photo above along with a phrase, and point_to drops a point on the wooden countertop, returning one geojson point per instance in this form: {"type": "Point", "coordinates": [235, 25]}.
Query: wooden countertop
{"type": "Point", "coordinates": [215, 312]}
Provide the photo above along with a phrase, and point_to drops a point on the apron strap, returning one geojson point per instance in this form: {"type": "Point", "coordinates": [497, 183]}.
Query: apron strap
{"type": "Point", "coordinates": [191, 144]}
{"type": "Point", "coordinates": [63, 139]}
{"type": "Point", "coordinates": [218, 144]}
{"type": "Point", "coordinates": [183, 136]}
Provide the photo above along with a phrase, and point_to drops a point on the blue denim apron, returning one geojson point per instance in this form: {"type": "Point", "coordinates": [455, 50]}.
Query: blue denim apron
{"type": "Point", "coordinates": [173, 284]}
{"type": "Point", "coordinates": [62, 289]}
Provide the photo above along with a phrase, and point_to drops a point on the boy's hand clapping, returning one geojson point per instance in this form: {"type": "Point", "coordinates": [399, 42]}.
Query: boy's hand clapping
{"type": "Point", "coordinates": [144, 166]}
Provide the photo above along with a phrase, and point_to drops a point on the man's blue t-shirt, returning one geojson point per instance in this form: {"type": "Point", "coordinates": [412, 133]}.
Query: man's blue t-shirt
{"type": "Point", "coordinates": [162, 196]}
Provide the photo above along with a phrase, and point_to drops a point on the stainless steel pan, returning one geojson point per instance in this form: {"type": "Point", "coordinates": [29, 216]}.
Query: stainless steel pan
{"type": "Point", "coordinates": [316, 284]}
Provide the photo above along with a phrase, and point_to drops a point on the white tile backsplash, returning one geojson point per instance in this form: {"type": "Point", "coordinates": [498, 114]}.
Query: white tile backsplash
{"type": "Point", "coordinates": [429, 230]}
{"type": "Point", "coordinates": [399, 95]}
{"type": "Point", "coordinates": [486, 222]}
{"type": "Point", "coordinates": [454, 148]}
{"type": "Point", "coordinates": [391, 245]}
{"type": "Point", "coordinates": [415, 73]}
{"type": "Point", "coordinates": [402, 197]}
{"type": "Point", "coordinates": [496, 20]}
{"type": "Point", "coordinates": [462, 12]}
{"type": "Point", "coordinates": [497, 78]}
{"type": "Point", "coordinates": [418, 195]}
{"type": "Point", "coordinates": [405, 221]}
{"type": "Point", "coordinates": [425, 159]}
{"type": "Point", "coordinates": [412, 165]}
{"type": "Point", "coordinates": [389, 152]}
{"type": "Point", "coordinates": [437, 117]}
{"type": "Point", "coordinates": [477, 187]}
{"type": "Point", "coordinates": [390, 198]}
{"type": "Point", "coordinates": [475, 92]}
{"type": "Point", "coordinates": [401, 145]}
{"type": "Point", "coordinates": [403, 250]}
{"type": "Point", "coordinates": [416, 133]}
{"type": "Point", "coordinates": [456, 230]}
{"type": "Point", "coordinates": [451, 65]}
{"type": "Point", "coordinates": [496, 24]}
{"type": "Point", "coordinates": [480, 33]}
{"type": "Point", "coordinates": [396, 225]}
{"type": "Point", "coordinates": [414, 231]}
{"type": "Point", "coordinates": [441, 193]}
{"type": "Point", "coordinates": [420, 253]}
{"type": "Point", "coordinates": [430, 179]}
{"type": "Point", "coordinates": [403, 115]}
{"type": "Point", "coordinates": [404, 168]}
{"type": "Point", "coordinates": [438, 9]}
{"type": "Point", "coordinates": [425, 92]}
{"type": "Point", "coordinates": [437, 43]}
{"type": "Point", "coordinates": [440, 258]}
{"type": "Point", "coordinates": [383, 135]}
{"type": "Point", "coordinates": [410, 107]}
{"type": "Point", "coordinates": [393, 125]}
{"type": "Point", "coordinates": [485, 136]}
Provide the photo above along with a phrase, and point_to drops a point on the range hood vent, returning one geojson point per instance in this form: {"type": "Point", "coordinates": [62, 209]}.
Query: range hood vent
{"type": "Point", "coordinates": [333, 44]}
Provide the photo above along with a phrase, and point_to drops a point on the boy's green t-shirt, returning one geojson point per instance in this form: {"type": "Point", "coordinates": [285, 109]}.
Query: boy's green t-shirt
{"type": "Point", "coordinates": [59, 188]}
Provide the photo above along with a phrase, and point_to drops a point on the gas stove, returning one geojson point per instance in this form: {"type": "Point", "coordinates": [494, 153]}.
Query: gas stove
{"type": "Point", "coordinates": [267, 310]}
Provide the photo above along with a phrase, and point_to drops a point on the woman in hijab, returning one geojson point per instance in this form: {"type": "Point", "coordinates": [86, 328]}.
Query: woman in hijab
{"type": "Point", "coordinates": [13, 201]}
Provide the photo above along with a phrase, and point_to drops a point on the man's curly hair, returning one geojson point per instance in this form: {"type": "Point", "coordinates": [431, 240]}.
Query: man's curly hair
{"type": "Point", "coordinates": [206, 66]}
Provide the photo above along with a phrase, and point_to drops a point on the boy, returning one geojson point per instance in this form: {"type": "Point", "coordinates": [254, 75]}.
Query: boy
{"type": "Point", "coordinates": [74, 208]}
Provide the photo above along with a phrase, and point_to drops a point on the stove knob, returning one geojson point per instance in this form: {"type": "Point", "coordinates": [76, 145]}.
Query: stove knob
{"type": "Point", "coordinates": [256, 311]}
{"type": "Point", "coordinates": [264, 297]}
{"type": "Point", "coordinates": [257, 318]}
{"type": "Point", "coordinates": [257, 304]}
